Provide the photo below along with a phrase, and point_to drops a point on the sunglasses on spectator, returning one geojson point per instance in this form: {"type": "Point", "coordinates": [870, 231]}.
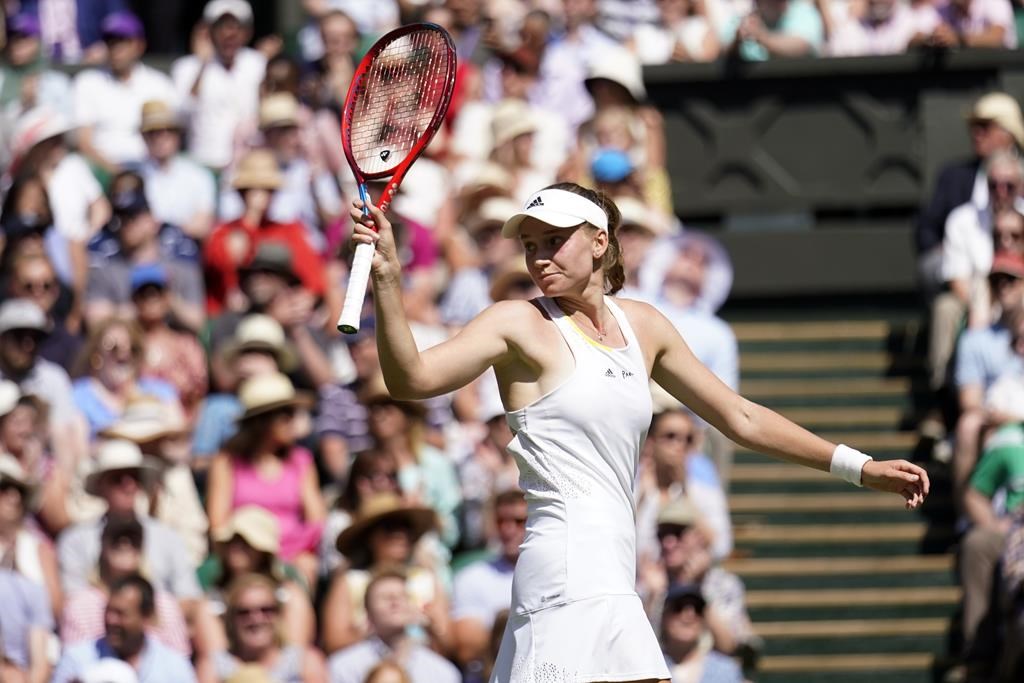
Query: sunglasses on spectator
{"type": "Point", "coordinates": [392, 526]}
{"type": "Point", "coordinates": [119, 478]}
{"type": "Point", "coordinates": [1004, 185]}
{"type": "Point", "coordinates": [20, 337]}
{"type": "Point", "coordinates": [36, 286]}
{"type": "Point", "coordinates": [1003, 280]}
{"type": "Point", "coordinates": [680, 606]}
{"type": "Point", "coordinates": [287, 411]}
{"type": "Point", "coordinates": [981, 123]}
{"type": "Point", "coordinates": [685, 437]}
{"type": "Point", "coordinates": [673, 530]}
{"type": "Point", "coordinates": [261, 610]}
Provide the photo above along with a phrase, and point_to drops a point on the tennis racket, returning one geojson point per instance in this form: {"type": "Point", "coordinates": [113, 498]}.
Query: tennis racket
{"type": "Point", "coordinates": [397, 100]}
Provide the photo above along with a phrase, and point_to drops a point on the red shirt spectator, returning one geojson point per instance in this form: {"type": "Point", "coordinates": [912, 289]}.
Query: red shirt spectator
{"type": "Point", "coordinates": [233, 244]}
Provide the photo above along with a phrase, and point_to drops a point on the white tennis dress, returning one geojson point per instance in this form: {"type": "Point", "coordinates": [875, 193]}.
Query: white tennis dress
{"type": "Point", "coordinates": [575, 614]}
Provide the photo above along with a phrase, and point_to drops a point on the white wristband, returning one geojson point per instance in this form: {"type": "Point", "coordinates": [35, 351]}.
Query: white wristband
{"type": "Point", "coordinates": [847, 464]}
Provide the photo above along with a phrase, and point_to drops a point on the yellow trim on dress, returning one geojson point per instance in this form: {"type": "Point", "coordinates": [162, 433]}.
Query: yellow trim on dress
{"type": "Point", "coordinates": [587, 337]}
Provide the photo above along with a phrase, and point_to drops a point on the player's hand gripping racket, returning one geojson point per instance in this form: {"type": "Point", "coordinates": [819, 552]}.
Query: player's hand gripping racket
{"type": "Point", "coordinates": [397, 100]}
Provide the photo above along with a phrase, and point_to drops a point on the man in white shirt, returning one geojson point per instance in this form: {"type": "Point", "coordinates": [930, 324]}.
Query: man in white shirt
{"type": "Point", "coordinates": [220, 85]}
{"type": "Point", "coordinates": [180, 192]}
{"type": "Point", "coordinates": [107, 102]}
{"type": "Point", "coordinates": [967, 251]}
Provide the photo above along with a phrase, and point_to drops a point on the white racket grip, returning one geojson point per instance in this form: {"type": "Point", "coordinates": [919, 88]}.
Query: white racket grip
{"type": "Point", "coordinates": [358, 278]}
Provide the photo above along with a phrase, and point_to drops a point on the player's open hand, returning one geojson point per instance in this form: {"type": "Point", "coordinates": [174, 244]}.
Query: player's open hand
{"type": "Point", "coordinates": [376, 229]}
{"type": "Point", "coordinates": [897, 476]}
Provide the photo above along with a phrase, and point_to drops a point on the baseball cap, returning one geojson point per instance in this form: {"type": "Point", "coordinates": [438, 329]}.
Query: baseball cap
{"type": "Point", "coordinates": [216, 9]}
{"type": "Point", "coordinates": [22, 314]}
{"type": "Point", "coordinates": [1008, 263]}
{"type": "Point", "coordinates": [122, 24]}
{"type": "Point", "coordinates": [682, 593]}
{"type": "Point", "coordinates": [24, 24]}
{"type": "Point", "coordinates": [559, 209]}
{"type": "Point", "coordinates": [130, 202]}
{"type": "Point", "coordinates": [110, 670]}
{"type": "Point", "coordinates": [148, 274]}
{"type": "Point", "coordinates": [611, 166]}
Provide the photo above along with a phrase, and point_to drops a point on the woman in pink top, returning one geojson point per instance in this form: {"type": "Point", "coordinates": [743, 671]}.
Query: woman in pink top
{"type": "Point", "coordinates": [262, 466]}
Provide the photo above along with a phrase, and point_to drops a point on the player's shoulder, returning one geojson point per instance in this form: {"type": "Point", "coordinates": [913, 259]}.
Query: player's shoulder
{"type": "Point", "coordinates": [641, 313]}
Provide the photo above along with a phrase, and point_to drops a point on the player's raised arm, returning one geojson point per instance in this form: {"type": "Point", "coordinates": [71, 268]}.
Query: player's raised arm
{"type": "Point", "coordinates": [408, 372]}
{"type": "Point", "coordinates": [751, 425]}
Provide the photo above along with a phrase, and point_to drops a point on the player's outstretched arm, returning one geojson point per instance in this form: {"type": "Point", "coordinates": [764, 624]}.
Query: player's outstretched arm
{"type": "Point", "coordinates": [679, 372]}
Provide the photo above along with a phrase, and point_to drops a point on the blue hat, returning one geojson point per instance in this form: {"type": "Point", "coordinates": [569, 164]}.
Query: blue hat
{"type": "Point", "coordinates": [122, 24]}
{"type": "Point", "coordinates": [130, 202]}
{"type": "Point", "coordinates": [148, 274]}
{"type": "Point", "coordinates": [24, 24]}
{"type": "Point", "coordinates": [686, 592]}
{"type": "Point", "coordinates": [610, 166]}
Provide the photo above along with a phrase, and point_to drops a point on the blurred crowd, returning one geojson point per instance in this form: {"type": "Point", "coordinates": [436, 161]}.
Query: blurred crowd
{"type": "Point", "coordinates": [970, 243]}
{"type": "Point", "coordinates": [200, 479]}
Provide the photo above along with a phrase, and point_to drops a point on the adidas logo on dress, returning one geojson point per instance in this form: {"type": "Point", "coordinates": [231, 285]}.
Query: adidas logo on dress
{"type": "Point", "coordinates": [609, 373]}
{"type": "Point", "coordinates": [536, 202]}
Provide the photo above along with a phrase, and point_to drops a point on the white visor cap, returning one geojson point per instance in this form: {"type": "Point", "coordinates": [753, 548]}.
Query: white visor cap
{"type": "Point", "coordinates": [558, 208]}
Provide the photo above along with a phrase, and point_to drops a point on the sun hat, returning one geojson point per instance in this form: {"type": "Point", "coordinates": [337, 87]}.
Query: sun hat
{"type": "Point", "coordinates": [1001, 109]}
{"type": "Point", "coordinates": [258, 170]}
{"type": "Point", "coordinates": [680, 512]}
{"type": "Point", "coordinates": [239, 9]}
{"type": "Point", "coordinates": [258, 332]}
{"type": "Point", "coordinates": [249, 673]}
{"type": "Point", "coordinates": [620, 66]}
{"type": "Point", "coordinates": [492, 210]}
{"type": "Point", "coordinates": [263, 394]}
{"type": "Point", "coordinates": [117, 455]}
{"type": "Point", "coordinates": [122, 24]}
{"type": "Point", "coordinates": [274, 257]}
{"type": "Point", "coordinates": [279, 110]}
{"type": "Point", "coordinates": [636, 213]}
{"type": "Point", "coordinates": [511, 119]}
{"type": "Point", "coordinates": [158, 115]}
{"type": "Point", "coordinates": [378, 508]}
{"type": "Point", "coordinates": [22, 314]}
{"type": "Point", "coordinates": [35, 126]}
{"type": "Point", "coordinates": [559, 209]}
{"type": "Point", "coordinates": [507, 274]}
{"type": "Point", "coordinates": [110, 670]}
{"type": "Point", "coordinates": [255, 525]}
{"type": "Point", "coordinates": [11, 470]}
{"type": "Point", "coordinates": [147, 420]}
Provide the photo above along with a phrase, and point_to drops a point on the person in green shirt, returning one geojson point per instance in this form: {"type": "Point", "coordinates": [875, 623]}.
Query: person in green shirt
{"type": "Point", "coordinates": [1000, 470]}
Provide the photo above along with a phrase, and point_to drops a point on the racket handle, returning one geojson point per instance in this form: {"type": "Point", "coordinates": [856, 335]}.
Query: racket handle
{"type": "Point", "coordinates": [358, 278]}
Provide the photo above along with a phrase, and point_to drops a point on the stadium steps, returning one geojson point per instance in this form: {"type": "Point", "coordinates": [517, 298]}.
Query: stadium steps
{"type": "Point", "coordinates": [843, 584]}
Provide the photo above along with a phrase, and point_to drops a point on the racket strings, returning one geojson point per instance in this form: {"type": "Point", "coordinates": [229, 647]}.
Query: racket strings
{"type": "Point", "coordinates": [398, 99]}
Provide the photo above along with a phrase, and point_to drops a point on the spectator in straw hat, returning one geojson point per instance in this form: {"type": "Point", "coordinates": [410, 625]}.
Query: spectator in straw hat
{"type": "Point", "coordinates": [118, 475]}
{"type": "Point", "coordinates": [108, 101]}
{"type": "Point", "coordinates": [637, 233]}
{"type": "Point", "coordinates": [512, 143]}
{"type": "Point", "coordinates": [384, 534]}
{"type": "Point", "coordinates": [22, 548]}
{"type": "Point", "coordinates": [180, 191]}
{"type": "Point", "coordinates": [257, 634]}
{"type": "Point", "coordinates": [308, 194]}
{"type": "Point", "coordinates": [250, 544]}
{"type": "Point", "coordinates": [33, 276]}
{"type": "Point", "coordinates": [233, 244]}
{"type": "Point", "coordinates": [263, 465]}
{"type": "Point", "coordinates": [259, 347]}
{"type": "Point", "coordinates": [160, 431]}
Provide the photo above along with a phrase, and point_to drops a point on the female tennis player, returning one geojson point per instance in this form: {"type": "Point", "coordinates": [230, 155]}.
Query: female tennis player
{"type": "Point", "coordinates": [573, 369]}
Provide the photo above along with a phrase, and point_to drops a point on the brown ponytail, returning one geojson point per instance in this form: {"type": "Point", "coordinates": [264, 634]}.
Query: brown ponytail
{"type": "Point", "coordinates": [611, 263]}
